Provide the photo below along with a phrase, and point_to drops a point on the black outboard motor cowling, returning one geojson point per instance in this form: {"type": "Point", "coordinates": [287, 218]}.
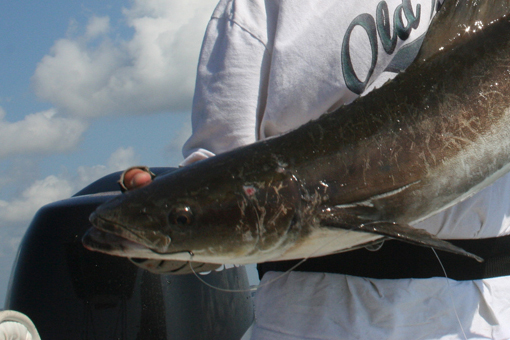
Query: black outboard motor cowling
{"type": "Point", "coordinates": [72, 293]}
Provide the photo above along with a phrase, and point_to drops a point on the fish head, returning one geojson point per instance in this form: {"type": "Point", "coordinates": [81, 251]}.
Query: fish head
{"type": "Point", "coordinates": [197, 211]}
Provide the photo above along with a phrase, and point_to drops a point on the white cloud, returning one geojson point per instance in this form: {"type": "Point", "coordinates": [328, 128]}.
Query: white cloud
{"type": "Point", "coordinates": [97, 26]}
{"type": "Point", "coordinates": [154, 71]}
{"type": "Point", "coordinates": [38, 194]}
{"type": "Point", "coordinates": [121, 159]}
{"type": "Point", "coordinates": [54, 188]}
{"type": "Point", "coordinates": [42, 132]}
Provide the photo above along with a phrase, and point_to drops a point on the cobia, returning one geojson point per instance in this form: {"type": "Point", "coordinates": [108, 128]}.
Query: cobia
{"type": "Point", "coordinates": [433, 136]}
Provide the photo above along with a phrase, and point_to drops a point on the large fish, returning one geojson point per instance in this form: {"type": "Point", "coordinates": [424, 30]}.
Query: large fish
{"type": "Point", "coordinates": [433, 136]}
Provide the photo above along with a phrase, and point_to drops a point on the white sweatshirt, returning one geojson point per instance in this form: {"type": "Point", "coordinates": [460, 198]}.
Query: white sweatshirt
{"type": "Point", "coordinates": [267, 67]}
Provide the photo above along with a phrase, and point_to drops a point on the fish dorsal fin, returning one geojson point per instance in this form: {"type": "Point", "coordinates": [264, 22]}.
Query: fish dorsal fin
{"type": "Point", "coordinates": [457, 21]}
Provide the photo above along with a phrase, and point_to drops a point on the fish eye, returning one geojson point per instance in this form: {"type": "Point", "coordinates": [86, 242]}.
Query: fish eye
{"type": "Point", "coordinates": [181, 216]}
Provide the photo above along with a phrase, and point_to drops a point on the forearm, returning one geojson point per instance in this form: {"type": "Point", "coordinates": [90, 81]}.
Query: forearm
{"type": "Point", "coordinates": [230, 90]}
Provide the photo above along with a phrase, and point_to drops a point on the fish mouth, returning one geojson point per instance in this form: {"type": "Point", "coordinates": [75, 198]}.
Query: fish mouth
{"type": "Point", "coordinates": [96, 239]}
{"type": "Point", "coordinates": [116, 239]}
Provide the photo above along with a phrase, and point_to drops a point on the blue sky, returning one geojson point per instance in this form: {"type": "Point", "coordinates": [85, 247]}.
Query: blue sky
{"type": "Point", "coordinates": [89, 88]}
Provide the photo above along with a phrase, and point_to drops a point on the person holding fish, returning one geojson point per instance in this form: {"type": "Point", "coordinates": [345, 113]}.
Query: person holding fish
{"type": "Point", "coordinates": [268, 67]}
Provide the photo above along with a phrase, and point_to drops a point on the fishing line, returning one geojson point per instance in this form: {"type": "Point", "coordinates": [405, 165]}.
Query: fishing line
{"type": "Point", "coordinates": [450, 293]}
{"type": "Point", "coordinates": [252, 288]}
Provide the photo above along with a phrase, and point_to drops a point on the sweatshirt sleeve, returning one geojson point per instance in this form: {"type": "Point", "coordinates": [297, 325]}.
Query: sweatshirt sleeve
{"type": "Point", "coordinates": [230, 88]}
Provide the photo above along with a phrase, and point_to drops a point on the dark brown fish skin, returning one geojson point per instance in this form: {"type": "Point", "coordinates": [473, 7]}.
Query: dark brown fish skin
{"type": "Point", "coordinates": [420, 143]}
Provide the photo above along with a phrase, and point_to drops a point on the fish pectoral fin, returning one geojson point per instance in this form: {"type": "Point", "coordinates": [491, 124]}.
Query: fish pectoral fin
{"type": "Point", "coordinates": [420, 237]}
{"type": "Point", "coordinates": [401, 232]}
{"type": "Point", "coordinates": [173, 267]}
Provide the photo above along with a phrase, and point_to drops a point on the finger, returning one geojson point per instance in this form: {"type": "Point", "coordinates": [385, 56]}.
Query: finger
{"type": "Point", "coordinates": [135, 177]}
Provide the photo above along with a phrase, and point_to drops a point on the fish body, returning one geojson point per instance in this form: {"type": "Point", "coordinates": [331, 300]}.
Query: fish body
{"type": "Point", "coordinates": [431, 137]}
